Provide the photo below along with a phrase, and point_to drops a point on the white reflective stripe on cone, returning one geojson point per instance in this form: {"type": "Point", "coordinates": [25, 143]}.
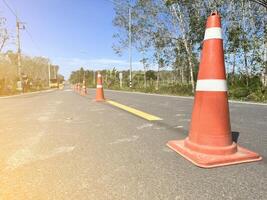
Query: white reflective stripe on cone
{"type": "Point", "coordinates": [99, 86]}
{"type": "Point", "coordinates": [215, 85]}
{"type": "Point", "coordinates": [98, 75]}
{"type": "Point", "coordinates": [213, 33]}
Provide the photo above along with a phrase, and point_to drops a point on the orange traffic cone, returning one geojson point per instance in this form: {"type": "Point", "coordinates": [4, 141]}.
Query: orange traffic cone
{"type": "Point", "coordinates": [75, 87]}
{"type": "Point", "coordinates": [78, 87]}
{"type": "Point", "coordinates": [99, 88]}
{"type": "Point", "coordinates": [210, 141]}
{"type": "Point", "coordinates": [84, 90]}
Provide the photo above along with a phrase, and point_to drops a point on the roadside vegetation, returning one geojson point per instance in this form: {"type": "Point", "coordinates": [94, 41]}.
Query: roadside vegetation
{"type": "Point", "coordinates": [34, 73]}
{"type": "Point", "coordinates": [237, 90]}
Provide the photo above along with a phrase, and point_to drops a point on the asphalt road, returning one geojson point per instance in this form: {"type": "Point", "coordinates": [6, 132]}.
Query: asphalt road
{"type": "Point", "coordinates": [60, 145]}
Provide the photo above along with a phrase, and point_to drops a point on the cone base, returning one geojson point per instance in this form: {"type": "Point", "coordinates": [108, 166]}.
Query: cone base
{"type": "Point", "coordinates": [99, 100]}
{"type": "Point", "coordinates": [209, 161]}
{"type": "Point", "coordinates": [84, 93]}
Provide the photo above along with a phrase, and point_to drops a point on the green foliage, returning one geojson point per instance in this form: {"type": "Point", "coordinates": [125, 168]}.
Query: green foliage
{"type": "Point", "coordinates": [238, 89]}
{"type": "Point", "coordinates": [81, 74]}
{"type": "Point", "coordinates": [151, 75]}
{"type": "Point", "coordinates": [178, 89]}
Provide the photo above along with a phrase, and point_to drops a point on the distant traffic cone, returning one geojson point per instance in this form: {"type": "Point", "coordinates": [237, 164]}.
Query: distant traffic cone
{"type": "Point", "coordinates": [99, 89]}
{"type": "Point", "coordinates": [79, 88]}
{"type": "Point", "coordinates": [84, 90]}
{"type": "Point", "coordinates": [210, 141]}
{"type": "Point", "coordinates": [75, 87]}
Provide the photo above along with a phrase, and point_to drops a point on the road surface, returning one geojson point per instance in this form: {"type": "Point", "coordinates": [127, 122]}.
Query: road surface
{"type": "Point", "coordinates": [60, 145]}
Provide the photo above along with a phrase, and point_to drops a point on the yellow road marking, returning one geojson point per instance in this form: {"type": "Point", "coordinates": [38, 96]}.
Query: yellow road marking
{"type": "Point", "coordinates": [134, 111]}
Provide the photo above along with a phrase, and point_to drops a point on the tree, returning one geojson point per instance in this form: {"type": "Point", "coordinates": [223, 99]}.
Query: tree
{"type": "Point", "coordinates": [3, 33]}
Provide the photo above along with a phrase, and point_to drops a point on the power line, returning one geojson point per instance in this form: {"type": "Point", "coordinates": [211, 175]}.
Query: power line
{"type": "Point", "coordinates": [260, 2]}
{"type": "Point", "coordinates": [33, 41]}
{"type": "Point", "coordinates": [11, 10]}
{"type": "Point", "coordinates": [26, 29]}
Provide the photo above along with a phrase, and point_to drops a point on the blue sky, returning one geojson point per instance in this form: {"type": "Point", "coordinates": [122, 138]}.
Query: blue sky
{"type": "Point", "coordinates": [72, 33]}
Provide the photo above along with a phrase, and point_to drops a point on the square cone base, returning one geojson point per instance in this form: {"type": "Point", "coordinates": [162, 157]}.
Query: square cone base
{"type": "Point", "coordinates": [209, 161]}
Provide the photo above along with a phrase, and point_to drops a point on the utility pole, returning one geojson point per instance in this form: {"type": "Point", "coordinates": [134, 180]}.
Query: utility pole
{"type": "Point", "coordinates": [19, 52]}
{"type": "Point", "coordinates": [94, 78]}
{"type": "Point", "coordinates": [130, 44]}
{"type": "Point", "coordinates": [49, 74]}
{"type": "Point", "coordinates": [55, 72]}
{"type": "Point", "coordinates": [83, 84]}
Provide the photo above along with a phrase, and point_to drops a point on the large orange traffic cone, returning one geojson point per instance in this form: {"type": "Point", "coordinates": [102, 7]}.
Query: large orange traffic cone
{"type": "Point", "coordinates": [210, 141]}
{"type": "Point", "coordinates": [99, 88]}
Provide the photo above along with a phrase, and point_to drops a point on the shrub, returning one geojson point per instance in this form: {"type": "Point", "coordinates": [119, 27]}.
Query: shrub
{"type": "Point", "coordinates": [239, 93]}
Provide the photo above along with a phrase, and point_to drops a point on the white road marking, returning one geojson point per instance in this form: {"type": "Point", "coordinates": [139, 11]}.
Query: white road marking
{"type": "Point", "coordinates": [179, 115]}
{"type": "Point", "coordinates": [184, 120]}
{"type": "Point", "coordinates": [131, 139]}
{"type": "Point", "coordinates": [27, 155]}
{"type": "Point", "coordinates": [178, 127]}
{"type": "Point", "coordinates": [159, 128]}
{"type": "Point", "coordinates": [144, 126]}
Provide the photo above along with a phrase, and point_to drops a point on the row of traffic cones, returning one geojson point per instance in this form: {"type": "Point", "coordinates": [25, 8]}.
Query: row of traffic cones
{"type": "Point", "coordinates": [77, 88]}
{"type": "Point", "coordinates": [81, 89]}
{"type": "Point", "coordinates": [210, 142]}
